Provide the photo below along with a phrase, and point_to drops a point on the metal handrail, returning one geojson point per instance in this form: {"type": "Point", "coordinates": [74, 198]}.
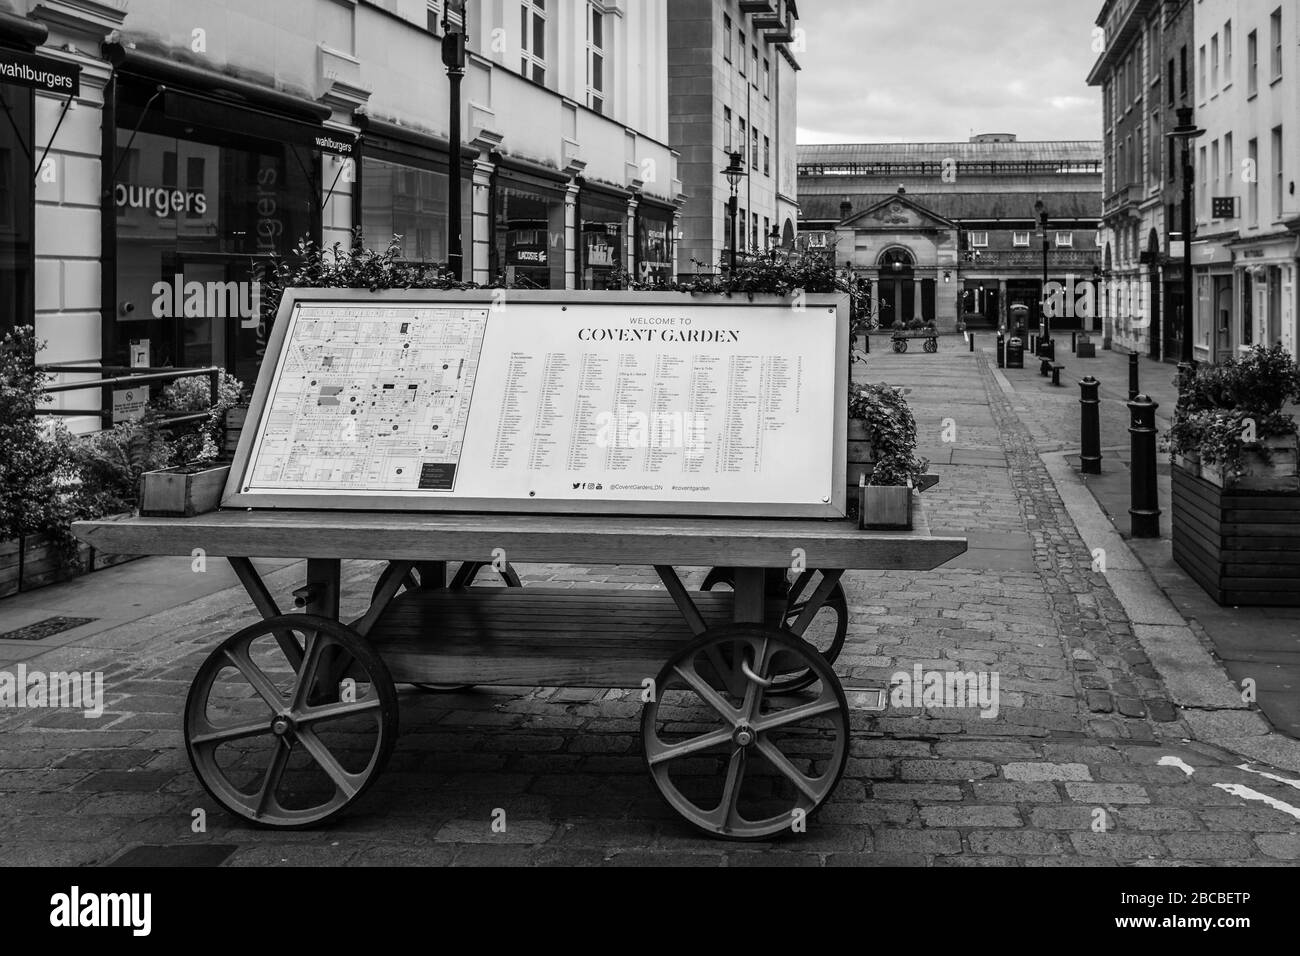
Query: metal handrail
{"type": "Point", "coordinates": [132, 377]}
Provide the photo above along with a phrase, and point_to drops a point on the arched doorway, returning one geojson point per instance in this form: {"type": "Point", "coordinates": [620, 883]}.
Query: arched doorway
{"type": "Point", "coordinates": [787, 235]}
{"type": "Point", "coordinates": [897, 274]}
{"type": "Point", "coordinates": [1154, 334]}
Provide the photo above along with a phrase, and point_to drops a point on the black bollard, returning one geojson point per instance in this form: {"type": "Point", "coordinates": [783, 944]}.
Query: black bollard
{"type": "Point", "coordinates": [1090, 425]}
{"type": "Point", "coordinates": [1033, 344]}
{"type": "Point", "coordinates": [1145, 509]}
{"type": "Point", "coordinates": [1002, 350]}
{"type": "Point", "coordinates": [1133, 387]}
{"type": "Point", "coordinates": [1074, 343]}
{"type": "Point", "coordinates": [972, 340]}
{"type": "Point", "coordinates": [867, 341]}
{"type": "Point", "coordinates": [1056, 375]}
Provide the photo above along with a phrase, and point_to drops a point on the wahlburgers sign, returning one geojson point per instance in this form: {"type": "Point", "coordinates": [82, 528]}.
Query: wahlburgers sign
{"type": "Point", "coordinates": [40, 72]}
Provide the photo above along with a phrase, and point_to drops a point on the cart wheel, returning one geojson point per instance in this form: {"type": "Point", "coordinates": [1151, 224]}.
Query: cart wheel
{"type": "Point", "coordinates": [932, 345]}
{"type": "Point", "coordinates": [290, 745]}
{"type": "Point", "coordinates": [469, 571]}
{"type": "Point", "coordinates": [767, 763]}
{"type": "Point", "coordinates": [900, 345]}
{"type": "Point", "coordinates": [825, 632]}
{"type": "Point", "coordinates": [719, 576]}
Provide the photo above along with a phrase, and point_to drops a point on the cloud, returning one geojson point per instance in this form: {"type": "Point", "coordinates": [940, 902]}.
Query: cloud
{"type": "Point", "coordinates": [939, 70]}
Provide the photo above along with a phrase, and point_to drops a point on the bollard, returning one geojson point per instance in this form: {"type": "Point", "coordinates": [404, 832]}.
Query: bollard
{"type": "Point", "coordinates": [1033, 344]}
{"type": "Point", "coordinates": [1074, 343]}
{"type": "Point", "coordinates": [1145, 508]}
{"type": "Point", "coordinates": [1133, 387]}
{"type": "Point", "coordinates": [1002, 350]}
{"type": "Point", "coordinates": [1048, 348]}
{"type": "Point", "coordinates": [1056, 375]}
{"type": "Point", "coordinates": [972, 341]}
{"type": "Point", "coordinates": [1090, 425]}
{"type": "Point", "coordinates": [867, 340]}
{"type": "Point", "coordinates": [1044, 367]}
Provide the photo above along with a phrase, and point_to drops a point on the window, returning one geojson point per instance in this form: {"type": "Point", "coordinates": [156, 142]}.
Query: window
{"type": "Point", "coordinates": [726, 38]}
{"type": "Point", "coordinates": [1200, 73]}
{"type": "Point", "coordinates": [433, 15]}
{"type": "Point", "coordinates": [596, 58]}
{"type": "Point", "coordinates": [1182, 62]}
{"type": "Point", "coordinates": [753, 151]}
{"type": "Point", "coordinates": [767, 228]}
{"type": "Point", "coordinates": [726, 128]}
{"type": "Point", "coordinates": [1275, 42]}
{"type": "Point", "coordinates": [744, 138]}
{"type": "Point", "coordinates": [1214, 166]}
{"type": "Point", "coordinates": [1252, 63]}
{"type": "Point", "coordinates": [767, 79]}
{"type": "Point", "coordinates": [1214, 63]}
{"type": "Point", "coordinates": [1204, 194]}
{"type": "Point", "coordinates": [1173, 161]}
{"type": "Point", "coordinates": [755, 244]}
{"type": "Point", "coordinates": [1065, 240]}
{"type": "Point", "coordinates": [1277, 172]}
{"type": "Point", "coordinates": [743, 48]}
{"type": "Point", "coordinates": [753, 59]}
{"type": "Point", "coordinates": [17, 195]}
{"type": "Point", "coordinates": [978, 240]}
{"type": "Point", "coordinates": [1171, 81]}
{"type": "Point", "coordinates": [767, 156]}
{"type": "Point", "coordinates": [532, 39]}
{"type": "Point", "coordinates": [1252, 186]}
{"type": "Point", "coordinates": [1227, 53]}
{"type": "Point", "coordinates": [1020, 240]}
{"type": "Point", "coordinates": [1229, 188]}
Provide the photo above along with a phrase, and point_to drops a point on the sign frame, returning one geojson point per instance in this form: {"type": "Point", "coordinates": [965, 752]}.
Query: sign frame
{"type": "Point", "coordinates": [833, 505]}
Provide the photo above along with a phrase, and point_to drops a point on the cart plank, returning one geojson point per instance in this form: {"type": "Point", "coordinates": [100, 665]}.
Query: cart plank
{"type": "Point", "coordinates": [549, 637]}
{"type": "Point", "coordinates": [535, 539]}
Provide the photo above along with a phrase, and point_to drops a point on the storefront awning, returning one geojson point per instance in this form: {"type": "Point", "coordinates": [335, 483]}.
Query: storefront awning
{"type": "Point", "coordinates": [402, 140]}
{"type": "Point", "coordinates": [21, 32]}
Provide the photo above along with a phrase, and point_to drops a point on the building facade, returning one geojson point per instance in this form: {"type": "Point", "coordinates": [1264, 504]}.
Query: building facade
{"type": "Point", "coordinates": [203, 137]}
{"type": "Point", "coordinates": [732, 88]}
{"type": "Point", "coordinates": [952, 231]}
{"type": "Point", "coordinates": [1146, 73]}
{"type": "Point", "coordinates": [1247, 252]}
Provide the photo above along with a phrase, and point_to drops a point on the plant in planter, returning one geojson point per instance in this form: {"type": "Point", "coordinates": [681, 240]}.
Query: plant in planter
{"type": "Point", "coordinates": [194, 394]}
{"type": "Point", "coordinates": [1229, 426]}
{"type": "Point", "coordinates": [890, 427]}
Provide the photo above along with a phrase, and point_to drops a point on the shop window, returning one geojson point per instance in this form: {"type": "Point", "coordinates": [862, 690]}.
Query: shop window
{"type": "Point", "coordinates": [17, 204]}
{"type": "Point", "coordinates": [654, 244]}
{"type": "Point", "coordinates": [411, 203]}
{"type": "Point", "coordinates": [602, 222]}
{"type": "Point", "coordinates": [528, 238]}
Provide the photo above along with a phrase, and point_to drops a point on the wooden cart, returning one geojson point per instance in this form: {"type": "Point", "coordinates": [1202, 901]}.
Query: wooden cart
{"type": "Point", "coordinates": [745, 726]}
{"type": "Point", "coordinates": [929, 337]}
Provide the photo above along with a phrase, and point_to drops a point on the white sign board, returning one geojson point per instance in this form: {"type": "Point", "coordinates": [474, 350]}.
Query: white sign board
{"type": "Point", "coordinates": [602, 402]}
{"type": "Point", "coordinates": [129, 404]}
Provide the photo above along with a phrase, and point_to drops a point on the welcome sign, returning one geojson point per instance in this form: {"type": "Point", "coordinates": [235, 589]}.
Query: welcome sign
{"type": "Point", "coordinates": [561, 401]}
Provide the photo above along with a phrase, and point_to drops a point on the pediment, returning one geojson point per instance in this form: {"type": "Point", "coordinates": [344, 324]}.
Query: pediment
{"type": "Point", "coordinates": [897, 213]}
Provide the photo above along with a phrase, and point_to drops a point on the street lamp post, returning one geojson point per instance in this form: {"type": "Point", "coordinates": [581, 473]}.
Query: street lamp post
{"type": "Point", "coordinates": [1046, 324]}
{"type": "Point", "coordinates": [1186, 131]}
{"type": "Point", "coordinates": [453, 58]}
{"type": "Point", "coordinates": [735, 172]}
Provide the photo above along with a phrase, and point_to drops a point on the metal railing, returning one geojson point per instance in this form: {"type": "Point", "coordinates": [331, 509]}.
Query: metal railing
{"type": "Point", "coordinates": [121, 376]}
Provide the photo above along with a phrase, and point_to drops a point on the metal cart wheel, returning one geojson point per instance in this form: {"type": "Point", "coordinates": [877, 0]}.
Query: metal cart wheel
{"type": "Point", "coordinates": [768, 762]}
{"type": "Point", "coordinates": [900, 345]}
{"type": "Point", "coordinates": [289, 721]}
{"type": "Point", "coordinates": [464, 577]}
{"type": "Point", "coordinates": [825, 633]}
{"type": "Point", "coordinates": [932, 345]}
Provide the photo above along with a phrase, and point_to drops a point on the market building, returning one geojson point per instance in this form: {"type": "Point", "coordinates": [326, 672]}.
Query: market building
{"type": "Point", "coordinates": [201, 138]}
{"type": "Point", "coordinates": [1145, 72]}
{"type": "Point", "coordinates": [732, 88]}
{"type": "Point", "coordinates": [953, 231]}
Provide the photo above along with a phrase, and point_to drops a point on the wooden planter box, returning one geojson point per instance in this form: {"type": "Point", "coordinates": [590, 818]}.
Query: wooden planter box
{"type": "Point", "coordinates": [1278, 474]}
{"type": "Point", "coordinates": [183, 491]}
{"type": "Point", "coordinates": [236, 415]}
{"type": "Point", "coordinates": [861, 463]}
{"type": "Point", "coordinates": [885, 508]}
{"type": "Point", "coordinates": [34, 561]}
{"type": "Point", "coordinates": [1241, 545]}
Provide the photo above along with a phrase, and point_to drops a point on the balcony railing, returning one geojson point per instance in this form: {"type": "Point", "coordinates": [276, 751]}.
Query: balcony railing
{"type": "Point", "coordinates": [1057, 259]}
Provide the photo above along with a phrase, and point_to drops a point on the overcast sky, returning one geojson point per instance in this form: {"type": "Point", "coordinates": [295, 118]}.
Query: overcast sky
{"type": "Point", "coordinates": [936, 70]}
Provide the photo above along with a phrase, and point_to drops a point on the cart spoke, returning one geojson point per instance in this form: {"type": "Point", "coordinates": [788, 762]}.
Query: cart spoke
{"type": "Point", "coordinates": [307, 672]}
{"type": "Point", "coordinates": [807, 785]}
{"type": "Point", "coordinates": [334, 711]}
{"type": "Point", "coordinates": [686, 670]}
{"type": "Point", "coordinates": [664, 752]}
{"type": "Point", "coordinates": [346, 783]}
{"type": "Point", "coordinates": [274, 773]}
{"type": "Point", "coordinates": [726, 812]}
{"type": "Point", "coordinates": [226, 734]}
{"type": "Point", "coordinates": [795, 714]}
{"type": "Point", "coordinates": [256, 679]}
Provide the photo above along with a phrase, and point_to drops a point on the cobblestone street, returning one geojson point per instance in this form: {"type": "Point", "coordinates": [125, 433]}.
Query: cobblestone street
{"type": "Point", "coordinates": [1090, 760]}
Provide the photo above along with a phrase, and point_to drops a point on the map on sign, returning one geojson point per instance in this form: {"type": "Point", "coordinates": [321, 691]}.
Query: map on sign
{"type": "Point", "coordinates": [549, 401]}
{"type": "Point", "coordinates": [371, 399]}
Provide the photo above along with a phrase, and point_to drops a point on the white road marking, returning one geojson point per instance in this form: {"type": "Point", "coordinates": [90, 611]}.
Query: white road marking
{"type": "Point", "coordinates": [1176, 762]}
{"type": "Point", "coordinates": [1237, 790]}
{"type": "Point", "coordinates": [1270, 776]}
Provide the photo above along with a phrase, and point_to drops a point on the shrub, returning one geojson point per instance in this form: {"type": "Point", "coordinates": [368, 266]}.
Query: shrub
{"type": "Point", "coordinates": [891, 429]}
{"type": "Point", "coordinates": [109, 465]}
{"type": "Point", "coordinates": [194, 394]}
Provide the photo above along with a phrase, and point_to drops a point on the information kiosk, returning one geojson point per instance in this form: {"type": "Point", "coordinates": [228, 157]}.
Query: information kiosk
{"type": "Point", "coordinates": [447, 434]}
